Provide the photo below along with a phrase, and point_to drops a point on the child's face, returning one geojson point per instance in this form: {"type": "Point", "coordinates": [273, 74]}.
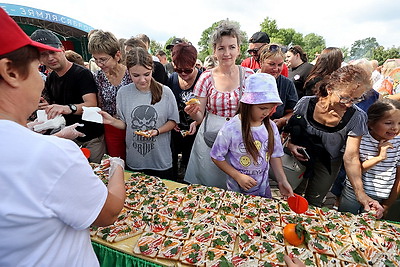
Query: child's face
{"type": "Point", "coordinates": [141, 77]}
{"type": "Point", "coordinates": [388, 127]}
{"type": "Point", "coordinates": [260, 111]}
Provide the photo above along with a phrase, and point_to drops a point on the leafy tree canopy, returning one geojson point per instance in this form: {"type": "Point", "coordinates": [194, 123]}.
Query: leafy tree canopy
{"type": "Point", "coordinates": [155, 46]}
{"type": "Point", "coordinates": [311, 43]}
{"type": "Point", "coordinates": [381, 54]}
{"type": "Point", "coordinates": [363, 48]}
{"type": "Point", "coordinates": [269, 26]}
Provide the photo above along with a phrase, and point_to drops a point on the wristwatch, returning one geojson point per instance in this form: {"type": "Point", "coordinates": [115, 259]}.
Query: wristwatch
{"type": "Point", "coordinates": [73, 108]}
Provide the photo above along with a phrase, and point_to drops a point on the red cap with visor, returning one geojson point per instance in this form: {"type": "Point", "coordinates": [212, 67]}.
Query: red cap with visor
{"type": "Point", "coordinates": [12, 37]}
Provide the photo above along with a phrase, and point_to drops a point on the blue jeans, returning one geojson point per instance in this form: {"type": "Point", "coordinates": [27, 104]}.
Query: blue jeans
{"type": "Point", "coordinates": [339, 183]}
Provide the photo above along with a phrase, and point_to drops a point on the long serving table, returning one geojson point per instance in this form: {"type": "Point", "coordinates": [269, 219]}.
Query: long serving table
{"type": "Point", "coordinates": [121, 253]}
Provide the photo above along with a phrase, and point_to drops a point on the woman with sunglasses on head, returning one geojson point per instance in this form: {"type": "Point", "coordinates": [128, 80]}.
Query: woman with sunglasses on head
{"type": "Point", "coordinates": [330, 59]}
{"type": "Point", "coordinates": [321, 124]}
{"type": "Point", "coordinates": [218, 90]}
{"type": "Point", "coordinates": [272, 58]}
{"type": "Point", "coordinates": [182, 83]}
{"type": "Point", "coordinates": [147, 110]}
{"type": "Point", "coordinates": [299, 68]}
{"type": "Point", "coordinates": [113, 74]}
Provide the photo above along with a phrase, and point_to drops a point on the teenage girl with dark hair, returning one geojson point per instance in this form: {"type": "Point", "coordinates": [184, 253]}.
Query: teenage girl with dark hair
{"type": "Point", "coordinates": [145, 105]}
{"type": "Point", "coordinates": [331, 59]}
{"type": "Point", "coordinates": [299, 68]}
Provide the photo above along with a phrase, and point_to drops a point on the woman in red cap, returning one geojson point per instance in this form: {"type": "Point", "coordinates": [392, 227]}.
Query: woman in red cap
{"type": "Point", "coordinates": [49, 195]}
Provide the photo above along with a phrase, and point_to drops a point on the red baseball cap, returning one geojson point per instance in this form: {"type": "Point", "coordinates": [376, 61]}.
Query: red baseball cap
{"type": "Point", "coordinates": [12, 37]}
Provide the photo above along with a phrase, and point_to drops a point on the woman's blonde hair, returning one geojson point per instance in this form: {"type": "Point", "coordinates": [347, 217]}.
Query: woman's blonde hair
{"type": "Point", "coordinates": [270, 50]}
{"type": "Point", "coordinates": [103, 42]}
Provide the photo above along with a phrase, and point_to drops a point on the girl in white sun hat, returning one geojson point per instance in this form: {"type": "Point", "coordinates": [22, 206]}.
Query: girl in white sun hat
{"type": "Point", "coordinates": [249, 143]}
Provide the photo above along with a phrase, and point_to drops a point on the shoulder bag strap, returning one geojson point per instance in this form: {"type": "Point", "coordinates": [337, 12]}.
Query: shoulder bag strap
{"type": "Point", "coordinates": [205, 122]}
{"type": "Point", "coordinates": [241, 77]}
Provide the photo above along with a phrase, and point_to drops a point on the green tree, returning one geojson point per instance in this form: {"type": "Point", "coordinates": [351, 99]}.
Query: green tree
{"type": "Point", "coordinates": [313, 44]}
{"type": "Point", "coordinates": [346, 53]}
{"type": "Point", "coordinates": [155, 46]}
{"type": "Point", "coordinates": [381, 54]}
{"type": "Point", "coordinates": [363, 48]}
{"type": "Point", "coordinates": [206, 48]}
{"type": "Point", "coordinates": [167, 51]}
{"type": "Point", "coordinates": [287, 37]}
{"type": "Point", "coordinates": [204, 43]}
{"type": "Point", "coordinates": [270, 27]}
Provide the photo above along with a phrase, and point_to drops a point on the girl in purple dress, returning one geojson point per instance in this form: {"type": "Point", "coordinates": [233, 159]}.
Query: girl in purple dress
{"type": "Point", "coordinates": [248, 143]}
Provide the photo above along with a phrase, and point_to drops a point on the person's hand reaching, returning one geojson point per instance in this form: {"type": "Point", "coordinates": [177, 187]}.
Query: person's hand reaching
{"type": "Point", "coordinates": [70, 132]}
{"type": "Point", "coordinates": [115, 162]}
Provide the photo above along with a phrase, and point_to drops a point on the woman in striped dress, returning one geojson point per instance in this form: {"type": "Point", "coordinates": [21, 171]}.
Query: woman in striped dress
{"type": "Point", "coordinates": [219, 90]}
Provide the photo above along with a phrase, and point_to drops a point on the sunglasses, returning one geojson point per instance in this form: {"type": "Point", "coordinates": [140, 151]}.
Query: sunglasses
{"type": "Point", "coordinates": [253, 51]}
{"type": "Point", "coordinates": [186, 71]}
{"type": "Point", "coordinates": [274, 48]}
{"type": "Point", "coordinates": [294, 49]}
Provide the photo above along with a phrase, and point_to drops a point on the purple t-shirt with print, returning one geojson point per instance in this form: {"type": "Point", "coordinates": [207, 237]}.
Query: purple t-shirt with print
{"type": "Point", "coordinates": [229, 146]}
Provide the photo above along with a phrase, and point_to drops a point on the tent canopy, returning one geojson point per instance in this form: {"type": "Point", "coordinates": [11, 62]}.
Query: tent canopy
{"type": "Point", "coordinates": [73, 33]}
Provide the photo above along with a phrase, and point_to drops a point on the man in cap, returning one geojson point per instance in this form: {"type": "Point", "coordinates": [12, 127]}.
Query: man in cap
{"type": "Point", "coordinates": [256, 42]}
{"type": "Point", "coordinates": [69, 88]}
{"type": "Point", "coordinates": [169, 66]}
{"type": "Point", "coordinates": [174, 42]}
{"type": "Point", "coordinates": [49, 195]}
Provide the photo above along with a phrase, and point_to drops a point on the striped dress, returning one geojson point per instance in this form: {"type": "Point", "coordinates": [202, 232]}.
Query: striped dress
{"type": "Point", "coordinates": [221, 107]}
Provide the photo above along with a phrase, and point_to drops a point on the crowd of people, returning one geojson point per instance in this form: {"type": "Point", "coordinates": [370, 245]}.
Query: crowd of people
{"type": "Point", "coordinates": [346, 116]}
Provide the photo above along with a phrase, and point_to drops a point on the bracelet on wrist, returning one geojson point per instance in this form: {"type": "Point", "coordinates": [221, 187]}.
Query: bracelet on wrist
{"type": "Point", "coordinates": [158, 132]}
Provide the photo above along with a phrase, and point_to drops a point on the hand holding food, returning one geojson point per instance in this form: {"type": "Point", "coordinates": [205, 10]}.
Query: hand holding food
{"type": "Point", "coordinates": [147, 133]}
{"type": "Point", "coordinates": [192, 101]}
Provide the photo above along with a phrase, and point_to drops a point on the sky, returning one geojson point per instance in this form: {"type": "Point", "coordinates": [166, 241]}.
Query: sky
{"type": "Point", "coordinates": [339, 22]}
